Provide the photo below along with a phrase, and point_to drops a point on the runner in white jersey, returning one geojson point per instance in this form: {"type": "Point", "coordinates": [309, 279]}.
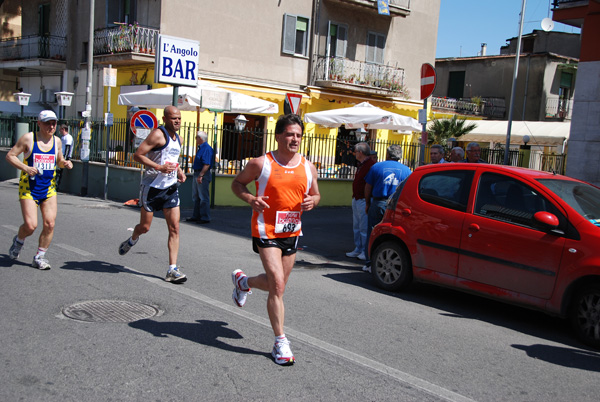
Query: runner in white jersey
{"type": "Point", "coordinates": [159, 153]}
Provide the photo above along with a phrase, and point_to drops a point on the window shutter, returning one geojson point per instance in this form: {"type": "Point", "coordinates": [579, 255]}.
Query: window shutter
{"type": "Point", "coordinates": [380, 48]}
{"type": "Point", "coordinates": [370, 57]}
{"type": "Point", "coordinates": [289, 34]}
{"type": "Point", "coordinates": [342, 33]}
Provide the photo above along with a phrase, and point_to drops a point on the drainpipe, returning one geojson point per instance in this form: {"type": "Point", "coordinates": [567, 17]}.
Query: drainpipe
{"type": "Point", "coordinates": [315, 36]}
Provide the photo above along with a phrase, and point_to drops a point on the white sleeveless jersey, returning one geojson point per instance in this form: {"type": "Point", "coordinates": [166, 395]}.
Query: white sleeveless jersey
{"type": "Point", "coordinates": [168, 153]}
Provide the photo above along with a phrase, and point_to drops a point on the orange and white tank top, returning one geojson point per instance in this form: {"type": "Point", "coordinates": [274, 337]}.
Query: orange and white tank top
{"type": "Point", "coordinates": [286, 187]}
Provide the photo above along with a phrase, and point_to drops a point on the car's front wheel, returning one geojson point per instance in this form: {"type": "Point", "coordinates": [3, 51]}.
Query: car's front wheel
{"type": "Point", "coordinates": [390, 266]}
{"type": "Point", "coordinates": [585, 314]}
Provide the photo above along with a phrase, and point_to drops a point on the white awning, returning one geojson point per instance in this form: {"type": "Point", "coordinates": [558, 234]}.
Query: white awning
{"type": "Point", "coordinates": [544, 133]}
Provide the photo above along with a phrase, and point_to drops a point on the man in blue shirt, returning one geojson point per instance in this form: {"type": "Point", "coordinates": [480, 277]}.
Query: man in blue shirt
{"type": "Point", "coordinates": [382, 180]}
{"type": "Point", "coordinates": [202, 178]}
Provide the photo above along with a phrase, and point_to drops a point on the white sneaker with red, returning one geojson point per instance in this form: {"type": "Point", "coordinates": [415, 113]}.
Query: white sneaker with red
{"type": "Point", "coordinates": [239, 294]}
{"type": "Point", "coordinates": [282, 353]}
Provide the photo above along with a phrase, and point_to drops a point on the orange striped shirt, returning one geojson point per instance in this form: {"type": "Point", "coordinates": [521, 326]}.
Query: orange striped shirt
{"type": "Point", "coordinates": [286, 187]}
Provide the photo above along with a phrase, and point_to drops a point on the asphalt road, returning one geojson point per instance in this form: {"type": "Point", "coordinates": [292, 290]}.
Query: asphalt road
{"type": "Point", "coordinates": [351, 341]}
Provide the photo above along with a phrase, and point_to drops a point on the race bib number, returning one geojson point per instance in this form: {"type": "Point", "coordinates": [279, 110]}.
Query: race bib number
{"type": "Point", "coordinates": [174, 172]}
{"type": "Point", "coordinates": [44, 162]}
{"type": "Point", "coordinates": [287, 222]}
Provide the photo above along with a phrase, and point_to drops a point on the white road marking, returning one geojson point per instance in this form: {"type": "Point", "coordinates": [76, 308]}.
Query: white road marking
{"type": "Point", "coordinates": [75, 250]}
{"type": "Point", "coordinates": [396, 374]}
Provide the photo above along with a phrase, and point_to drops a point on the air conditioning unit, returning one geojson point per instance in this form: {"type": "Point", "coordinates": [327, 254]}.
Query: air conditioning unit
{"type": "Point", "coordinates": [48, 96]}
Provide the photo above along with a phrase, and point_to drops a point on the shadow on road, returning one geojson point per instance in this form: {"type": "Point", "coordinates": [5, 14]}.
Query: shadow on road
{"type": "Point", "coordinates": [6, 261]}
{"type": "Point", "coordinates": [205, 332]}
{"type": "Point", "coordinates": [574, 358]}
{"type": "Point", "coordinates": [103, 267]}
{"type": "Point", "coordinates": [460, 305]}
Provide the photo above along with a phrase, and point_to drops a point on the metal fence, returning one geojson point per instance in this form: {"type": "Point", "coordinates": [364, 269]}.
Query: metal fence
{"type": "Point", "coordinates": [332, 156]}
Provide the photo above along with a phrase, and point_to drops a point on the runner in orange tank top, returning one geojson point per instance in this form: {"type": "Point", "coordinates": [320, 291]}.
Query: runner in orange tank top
{"type": "Point", "coordinates": [286, 186]}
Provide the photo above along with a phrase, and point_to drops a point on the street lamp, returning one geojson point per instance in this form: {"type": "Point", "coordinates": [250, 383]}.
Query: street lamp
{"type": "Point", "coordinates": [451, 142]}
{"type": "Point", "coordinates": [240, 122]}
{"type": "Point", "coordinates": [64, 99]}
{"type": "Point", "coordinates": [22, 99]}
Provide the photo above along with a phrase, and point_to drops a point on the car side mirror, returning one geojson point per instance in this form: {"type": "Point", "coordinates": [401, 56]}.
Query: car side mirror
{"type": "Point", "coordinates": [546, 220]}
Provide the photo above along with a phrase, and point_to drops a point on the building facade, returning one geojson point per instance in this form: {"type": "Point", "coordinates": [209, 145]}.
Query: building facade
{"type": "Point", "coordinates": [334, 53]}
{"type": "Point", "coordinates": [584, 140]}
{"type": "Point", "coordinates": [545, 81]}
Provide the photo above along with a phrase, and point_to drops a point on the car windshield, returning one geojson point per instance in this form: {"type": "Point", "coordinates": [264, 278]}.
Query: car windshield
{"type": "Point", "coordinates": [582, 197]}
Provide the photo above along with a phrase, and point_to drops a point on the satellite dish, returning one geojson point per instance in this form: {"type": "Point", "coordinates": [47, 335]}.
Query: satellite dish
{"type": "Point", "coordinates": [547, 24]}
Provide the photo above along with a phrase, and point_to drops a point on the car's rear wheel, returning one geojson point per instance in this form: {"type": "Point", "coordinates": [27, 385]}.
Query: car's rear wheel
{"type": "Point", "coordinates": [390, 266]}
{"type": "Point", "coordinates": [585, 314]}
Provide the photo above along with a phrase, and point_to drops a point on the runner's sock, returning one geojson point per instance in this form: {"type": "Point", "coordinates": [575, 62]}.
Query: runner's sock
{"type": "Point", "coordinates": [133, 242]}
{"type": "Point", "coordinates": [172, 267]}
{"type": "Point", "coordinates": [41, 252]}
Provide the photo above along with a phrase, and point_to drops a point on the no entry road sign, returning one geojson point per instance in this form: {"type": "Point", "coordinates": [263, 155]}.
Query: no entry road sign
{"type": "Point", "coordinates": [143, 119]}
{"type": "Point", "coordinates": [427, 80]}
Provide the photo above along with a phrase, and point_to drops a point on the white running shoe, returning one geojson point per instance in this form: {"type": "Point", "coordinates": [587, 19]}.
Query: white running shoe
{"type": "Point", "coordinates": [175, 276]}
{"type": "Point", "coordinates": [239, 295]}
{"type": "Point", "coordinates": [40, 263]}
{"type": "Point", "coordinates": [282, 353]}
{"type": "Point", "coordinates": [353, 254]}
{"type": "Point", "coordinates": [366, 268]}
{"type": "Point", "coordinates": [362, 256]}
{"type": "Point", "coordinates": [15, 249]}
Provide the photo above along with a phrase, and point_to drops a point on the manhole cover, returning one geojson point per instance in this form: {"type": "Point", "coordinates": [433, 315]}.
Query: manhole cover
{"type": "Point", "coordinates": [109, 311]}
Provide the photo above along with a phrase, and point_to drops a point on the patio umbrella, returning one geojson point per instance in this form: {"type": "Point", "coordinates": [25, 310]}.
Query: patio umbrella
{"type": "Point", "coordinates": [363, 115]}
{"type": "Point", "coordinates": [190, 98]}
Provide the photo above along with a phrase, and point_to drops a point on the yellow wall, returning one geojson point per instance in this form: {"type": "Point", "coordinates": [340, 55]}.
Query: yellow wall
{"type": "Point", "coordinates": [334, 192]}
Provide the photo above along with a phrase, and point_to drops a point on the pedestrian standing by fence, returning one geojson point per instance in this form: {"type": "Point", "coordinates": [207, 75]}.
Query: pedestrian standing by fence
{"type": "Point", "coordinates": [286, 186]}
{"type": "Point", "coordinates": [436, 154]}
{"type": "Point", "coordinates": [42, 154]}
{"type": "Point", "coordinates": [382, 180]}
{"type": "Point", "coordinates": [202, 178]}
{"type": "Point", "coordinates": [362, 152]}
{"type": "Point", "coordinates": [457, 154]}
{"type": "Point", "coordinates": [67, 149]}
{"type": "Point", "coordinates": [159, 153]}
{"type": "Point", "coordinates": [473, 153]}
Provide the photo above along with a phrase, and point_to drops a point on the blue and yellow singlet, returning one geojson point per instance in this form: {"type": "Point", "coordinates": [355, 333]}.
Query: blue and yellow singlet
{"type": "Point", "coordinates": [42, 185]}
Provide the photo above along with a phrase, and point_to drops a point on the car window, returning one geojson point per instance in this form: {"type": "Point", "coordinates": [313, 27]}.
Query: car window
{"type": "Point", "coordinates": [505, 198]}
{"type": "Point", "coordinates": [448, 189]}
{"type": "Point", "coordinates": [582, 197]}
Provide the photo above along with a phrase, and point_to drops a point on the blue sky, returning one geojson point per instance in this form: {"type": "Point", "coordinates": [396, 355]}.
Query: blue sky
{"type": "Point", "coordinates": [465, 24]}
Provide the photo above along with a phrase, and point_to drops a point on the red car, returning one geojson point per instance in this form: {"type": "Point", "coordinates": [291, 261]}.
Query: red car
{"type": "Point", "coordinates": [517, 235]}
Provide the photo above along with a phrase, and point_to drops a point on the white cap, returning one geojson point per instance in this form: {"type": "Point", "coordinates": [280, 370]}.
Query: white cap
{"type": "Point", "coordinates": [47, 115]}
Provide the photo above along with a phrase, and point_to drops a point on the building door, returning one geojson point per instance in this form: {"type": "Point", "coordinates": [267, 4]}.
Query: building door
{"type": "Point", "coordinates": [456, 84]}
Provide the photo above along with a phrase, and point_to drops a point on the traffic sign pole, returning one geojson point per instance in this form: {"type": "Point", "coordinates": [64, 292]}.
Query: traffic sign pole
{"type": "Point", "coordinates": [427, 87]}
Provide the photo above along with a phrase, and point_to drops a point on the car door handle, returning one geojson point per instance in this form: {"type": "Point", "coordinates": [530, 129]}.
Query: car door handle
{"type": "Point", "coordinates": [406, 212]}
{"type": "Point", "coordinates": [473, 227]}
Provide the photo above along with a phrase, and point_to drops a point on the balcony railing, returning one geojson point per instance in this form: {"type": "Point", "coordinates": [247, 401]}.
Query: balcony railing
{"type": "Point", "coordinates": [560, 3]}
{"type": "Point", "coordinates": [485, 107]}
{"type": "Point", "coordinates": [125, 39]}
{"type": "Point", "coordinates": [559, 108]}
{"type": "Point", "coordinates": [359, 74]}
{"type": "Point", "coordinates": [396, 7]}
{"type": "Point", "coordinates": [33, 47]}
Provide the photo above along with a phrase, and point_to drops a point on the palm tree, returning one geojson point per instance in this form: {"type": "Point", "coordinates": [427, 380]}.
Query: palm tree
{"type": "Point", "coordinates": [442, 129]}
